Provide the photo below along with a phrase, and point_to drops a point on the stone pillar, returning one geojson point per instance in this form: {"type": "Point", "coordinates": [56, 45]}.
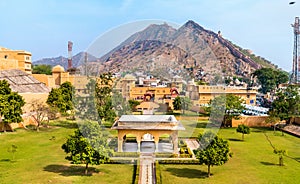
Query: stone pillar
{"type": "Point", "coordinates": [138, 140]}
{"type": "Point", "coordinates": [175, 142]}
{"type": "Point", "coordinates": [120, 144]}
{"type": "Point", "coordinates": [156, 140]}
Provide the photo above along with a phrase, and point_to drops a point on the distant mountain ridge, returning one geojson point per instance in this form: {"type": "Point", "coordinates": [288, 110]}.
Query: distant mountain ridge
{"type": "Point", "coordinates": [77, 60]}
{"type": "Point", "coordinates": [189, 47]}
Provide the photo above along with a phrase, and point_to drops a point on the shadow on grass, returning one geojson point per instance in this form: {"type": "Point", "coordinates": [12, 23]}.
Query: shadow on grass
{"type": "Point", "coordinates": [65, 124]}
{"type": "Point", "coordinates": [268, 163]}
{"type": "Point", "coordinates": [236, 140]}
{"type": "Point", "coordinates": [187, 172]}
{"type": "Point", "coordinates": [73, 170]}
{"type": "Point", "coordinates": [7, 160]}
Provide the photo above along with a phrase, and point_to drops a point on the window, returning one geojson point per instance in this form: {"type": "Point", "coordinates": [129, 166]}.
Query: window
{"type": "Point", "coordinates": [248, 96]}
{"type": "Point", "coordinates": [5, 56]}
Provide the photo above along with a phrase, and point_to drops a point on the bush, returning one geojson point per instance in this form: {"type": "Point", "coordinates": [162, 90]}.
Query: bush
{"type": "Point", "coordinates": [158, 173]}
{"type": "Point", "coordinates": [126, 154]}
{"type": "Point", "coordinates": [180, 161]}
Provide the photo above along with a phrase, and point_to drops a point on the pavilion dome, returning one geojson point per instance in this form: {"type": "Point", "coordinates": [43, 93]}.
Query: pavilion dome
{"type": "Point", "coordinates": [58, 68]}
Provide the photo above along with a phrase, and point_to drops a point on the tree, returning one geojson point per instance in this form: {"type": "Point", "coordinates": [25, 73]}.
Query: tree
{"type": "Point", "coordinates": [11, 104]}
{"type": "Point", "coordinates": [270, 78]}
{"type": "Point", "coordinates": [87, 146]}
{"type": "Point", "coordinates": [86, 104]}
{"type": "Point", "coordinates": [212, 150]}
{"type": "Point", "coordinates": [244, 129]}
{"type": "Point", "coordinates": [286, 104]}
{"type": "Point", "coordinates": [41, 111]}
{"type": "Point", "coordinates": [42, 69]}
{"type": "Point", "coordinates": [224, 108]}
{"type": "Point", "coordinates": [182, 103]}
{"type": "Point", "coordinates": [121, 106]}
{"type": "Point", "coordinates": [133, 104]}
{"type": "Point", "coordinates": [103, 96]}
{"type": "Point", "coordinates": [280, 153]}
{"type": "Point", "coordinates": [62, 97]}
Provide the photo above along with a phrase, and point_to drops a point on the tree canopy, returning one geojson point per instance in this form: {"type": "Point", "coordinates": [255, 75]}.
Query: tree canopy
{"type": "Point", "coordinates": [11, 104]}
{"type": "Point", "coordinates": [286, 103]}
{"type": "Point", "coordinates": [244, 129]}
{"type": "Point", "coordinates": [62, 97]}
{"type": "Point", "coordinates": [42, 69]}
{"type": "Point", "coordinates": [213, 150]}
{"type": "Point", "coordinates": [269, 78]}
{"type": "Point", "coordinates": [182, 103]}
{"type": "Point", "coordinates": [87, 146]}
{"type": "Point", "coordinates": [103, 94]}
{"type": "Point", "coordinates": [225, 107]}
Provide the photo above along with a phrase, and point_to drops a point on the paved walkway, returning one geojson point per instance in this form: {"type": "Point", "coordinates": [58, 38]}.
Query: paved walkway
{"type": "Point", "coordinates": [147, 170]}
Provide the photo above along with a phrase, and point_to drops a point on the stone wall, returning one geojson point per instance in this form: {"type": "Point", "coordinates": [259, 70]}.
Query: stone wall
{"type": "Point", "coordinates": [252, 121]}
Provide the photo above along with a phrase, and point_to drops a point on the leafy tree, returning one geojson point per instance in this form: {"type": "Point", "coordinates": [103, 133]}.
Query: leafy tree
{"type": "Point", "coordinates": [212, 150]}
{"type": "Point", "coordinates": [86, 104]}
{"type": "Point", "coordinates": [286, 104]}
{"type": "Point", "coordinates": [133, 104]}
{"type": "Point", "coordinates": [62, 97]}
{"type": "Point", "coordinates": [120, 105]}
{"type": "Point", "coordinates": [244, 129]}
{"type": "Point", "coordinates": [280, 153]}
{"type": "Point", "coordinates": [182, 103]}
{"type": "Point", "coordinates": [87, 146]}
{"type": "Point", "coordinates": [270, 78]}
{"type": "Point", "coordinates": [224, 108]}
{"type": "Point", "coordinates": [42, 69]}
{"type": "Point", "coordinates": [103, 96]}
{"type": "Point", "coordinates": [11, 104]}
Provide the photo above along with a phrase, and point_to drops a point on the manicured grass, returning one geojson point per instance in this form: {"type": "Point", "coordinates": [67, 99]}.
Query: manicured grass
{"type": "Point", "coordinates": [253, 161]}
{"type": "Point", "coordinates": [40, 159]}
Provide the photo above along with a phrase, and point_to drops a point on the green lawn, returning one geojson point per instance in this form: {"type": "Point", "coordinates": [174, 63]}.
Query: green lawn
{"type": "Point", "coordinates": [253, 161]}
{"type": "Point", "coordinates": [40, 159]}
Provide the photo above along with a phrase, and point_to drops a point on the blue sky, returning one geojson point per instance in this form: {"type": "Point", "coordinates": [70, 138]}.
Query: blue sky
{"type": "Point", "coordinates": [43, 27]}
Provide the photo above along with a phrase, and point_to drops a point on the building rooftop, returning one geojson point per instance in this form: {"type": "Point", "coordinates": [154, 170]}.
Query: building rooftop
{"type": "Point", "coordinates": [23, 82]}
{"type": "Point", "coordinates": [148, 122]}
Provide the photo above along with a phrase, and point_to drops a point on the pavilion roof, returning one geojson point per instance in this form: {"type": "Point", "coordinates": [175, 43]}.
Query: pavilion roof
{"type": "Point", "coordinates": [148, 122]}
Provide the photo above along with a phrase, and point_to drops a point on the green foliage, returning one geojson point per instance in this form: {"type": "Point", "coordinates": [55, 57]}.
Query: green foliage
{"type": "Point", "coordinates": [212, 151]}
{"type": "Point", "coordinates": [244, 129]}
{"type": "Point", "coordinates": [182, 103]}
{"type": "Point", "coordinates": [87, 146]}
{"type": "Point", "coordinates": [133, 104]}
{"type": "Point", "coordinates": [62, 97]}
{"type": "Point", "coordinates": [286, 104]}
{"type": "Point", "coordinates": [103, 93]}
{"type": "Point", "coordinates": [120, 104]}
{"type": "Point", "coordinates": [86, 104]}
{"type": "Point", "coordinates": [225, 107]}
{"type": "Point", "coordinates": [11, 104]}
{"type": "Point", "coordinates": [280, 153]}
{"type": "Point", "coordinates": [42, 69]}
{"type": "Point", "coordinates": [270, 78]}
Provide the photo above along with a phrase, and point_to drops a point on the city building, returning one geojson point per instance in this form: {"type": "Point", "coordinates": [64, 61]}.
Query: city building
{"type": "Point", "coordinates": [15, 59]}
{"type": "Point", "coordinates": [202, 94]}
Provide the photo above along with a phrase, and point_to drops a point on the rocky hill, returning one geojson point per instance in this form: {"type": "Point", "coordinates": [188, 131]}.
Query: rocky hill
{"type": "Point", "coordinates": [164, 49]}
{"type": "Point", "coordinates": [77, 60]}
{"type": "Point", "coordinates": [191, 47]}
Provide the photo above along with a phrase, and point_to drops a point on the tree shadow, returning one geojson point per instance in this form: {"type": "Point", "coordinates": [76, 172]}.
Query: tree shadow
{"type": "Point", "coordinates": [5, 160]}
{"type": "Point", "coordinates": [187, 172]}
{"type": "Point", "coordinates": [64, 124]}
{"type": "Point", "coordinates": [268, 163]}
{"type": "Point", "coordinates": [73, 170]}
{"type": "Point", "coordinates": [236, 140]}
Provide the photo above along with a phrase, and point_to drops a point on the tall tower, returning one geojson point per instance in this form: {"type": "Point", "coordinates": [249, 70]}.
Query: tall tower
{"type": "Point", "coordinates": [295, 77]}
{"type": "Point", "coordinates": [70, 46]}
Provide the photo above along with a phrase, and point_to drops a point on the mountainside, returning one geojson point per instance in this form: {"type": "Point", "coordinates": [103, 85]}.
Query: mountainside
{"type": "Point", "coordinates": [166, 50]}
{"type": "Point", "coordinates": [206, 50]}
{"type": "Point", "coordinates": [77, 60]}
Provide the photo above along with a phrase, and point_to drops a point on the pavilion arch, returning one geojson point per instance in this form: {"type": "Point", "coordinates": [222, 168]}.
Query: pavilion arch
{"type": "Point", "coordinates": [155, 125]}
